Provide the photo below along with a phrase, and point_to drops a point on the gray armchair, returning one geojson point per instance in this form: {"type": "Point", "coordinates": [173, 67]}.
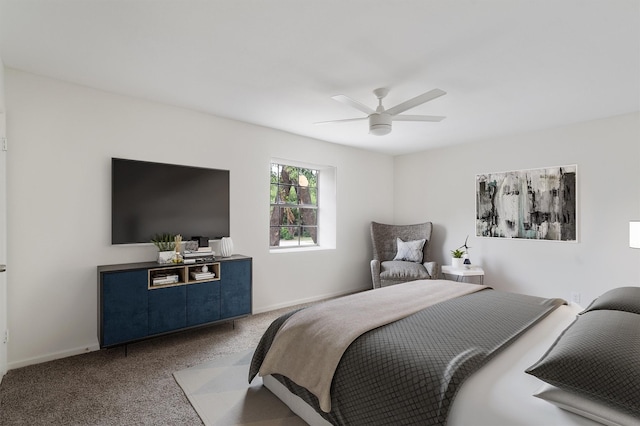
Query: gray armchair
{"type": "Point", "coordinates": [387, 271]}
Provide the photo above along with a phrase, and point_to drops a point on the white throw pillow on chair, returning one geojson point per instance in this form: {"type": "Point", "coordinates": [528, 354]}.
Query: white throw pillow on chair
{"type": "Point", "coordinates": [409, 251]}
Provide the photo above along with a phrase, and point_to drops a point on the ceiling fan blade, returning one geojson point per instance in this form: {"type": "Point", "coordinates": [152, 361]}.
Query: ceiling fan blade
{"type": "Point", "coordinates": [414, 102]}
{"type": "Point", "coordinates": [353, 103]}
{"type": "Point", "coordinates": [346, 120]}
{"type": "Point", "coordinates": [433, 118]}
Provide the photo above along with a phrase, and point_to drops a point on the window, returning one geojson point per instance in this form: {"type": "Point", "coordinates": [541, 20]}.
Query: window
{"type": "Point", "coordinates": [294, 206]}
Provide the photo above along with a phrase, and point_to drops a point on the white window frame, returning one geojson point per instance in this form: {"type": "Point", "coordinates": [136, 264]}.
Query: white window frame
{"type": "Point", "coordinates": [326, 209]}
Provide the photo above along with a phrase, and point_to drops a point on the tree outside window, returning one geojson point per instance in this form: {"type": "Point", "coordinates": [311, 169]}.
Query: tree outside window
{"type": "Point", "coordinates": [294, 206]}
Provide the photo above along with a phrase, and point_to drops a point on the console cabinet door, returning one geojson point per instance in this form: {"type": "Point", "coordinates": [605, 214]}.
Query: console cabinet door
{"type": "Point", "coordinates": [235, 278]}
{"type": "Point", "coordinates": [124, 306]}
{"type": "Point", "coordinates": [203, 303]}
{"type": "Point", "coordinates": [167, 309]}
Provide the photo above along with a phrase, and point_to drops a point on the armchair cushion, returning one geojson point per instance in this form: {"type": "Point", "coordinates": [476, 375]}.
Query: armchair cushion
{"type": "Point", "coordinates": [400, 270]}
{"type": "Point", "coordinates": [410, 251]}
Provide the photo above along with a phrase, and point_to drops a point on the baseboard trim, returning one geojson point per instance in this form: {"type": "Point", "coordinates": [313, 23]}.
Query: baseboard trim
{"type": "Point", "coordinates": [53, 356]}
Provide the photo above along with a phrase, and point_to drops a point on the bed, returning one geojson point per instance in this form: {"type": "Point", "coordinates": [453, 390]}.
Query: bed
{"type": "Point", "coordinates": [486, 343]}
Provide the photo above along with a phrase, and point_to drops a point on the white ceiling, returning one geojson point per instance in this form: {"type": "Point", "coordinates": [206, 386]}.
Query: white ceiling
{"type": "Point", "coordinates": [508, 66]}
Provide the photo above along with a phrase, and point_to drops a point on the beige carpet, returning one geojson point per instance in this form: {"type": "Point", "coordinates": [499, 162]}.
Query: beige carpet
{"type": "Point", "coordinates": [220, 394]}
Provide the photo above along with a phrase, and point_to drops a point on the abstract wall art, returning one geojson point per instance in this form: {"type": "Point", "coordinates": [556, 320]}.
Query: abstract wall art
{"type": "Point", "coordinates": [534, 204]}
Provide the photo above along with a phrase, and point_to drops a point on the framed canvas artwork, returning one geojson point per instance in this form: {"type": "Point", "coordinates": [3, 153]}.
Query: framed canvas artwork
{"type": "Point", "coordinates": [533, 204]}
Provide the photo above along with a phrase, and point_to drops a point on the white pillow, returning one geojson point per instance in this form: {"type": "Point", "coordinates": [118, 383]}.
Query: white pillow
{"type": "Point", "coordinates": [585, 407]}
{"type": "Point", "coordinates": [410, 251]}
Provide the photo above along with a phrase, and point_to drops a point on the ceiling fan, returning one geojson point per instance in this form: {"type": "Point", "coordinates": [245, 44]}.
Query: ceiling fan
{"type": "Point", "coordinates": [380, 119]}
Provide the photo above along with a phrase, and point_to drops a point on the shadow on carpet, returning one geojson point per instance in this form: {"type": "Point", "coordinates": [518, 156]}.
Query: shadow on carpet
{"type": "Point", "coordinates": [219, 392]}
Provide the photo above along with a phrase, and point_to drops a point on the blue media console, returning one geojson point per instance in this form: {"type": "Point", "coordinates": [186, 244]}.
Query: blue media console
{"type": "Point", "coordinates": [137, 301]}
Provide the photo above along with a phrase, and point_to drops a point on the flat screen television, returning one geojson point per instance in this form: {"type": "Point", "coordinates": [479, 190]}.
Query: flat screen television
{"type": "Point", "coordinates": [154, 198]}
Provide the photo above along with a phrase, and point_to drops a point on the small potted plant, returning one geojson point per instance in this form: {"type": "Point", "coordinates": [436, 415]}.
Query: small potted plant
{"type": "Point", "coordinates": [457, 260]}
{"type": "Point", "coordinates": [166, 244]}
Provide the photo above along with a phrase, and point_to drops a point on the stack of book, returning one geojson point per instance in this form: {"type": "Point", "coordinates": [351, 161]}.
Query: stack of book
{"type": "Point", "coordinates": [164, 279]}
{"type": "Point", "coordinates": [202, 254]}
{"type": "Point", "coordinates": [202, 275]}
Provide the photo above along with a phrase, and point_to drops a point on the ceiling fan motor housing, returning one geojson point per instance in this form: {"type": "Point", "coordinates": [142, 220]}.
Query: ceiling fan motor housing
{"type": "Point", "coordinates": [379, 124]}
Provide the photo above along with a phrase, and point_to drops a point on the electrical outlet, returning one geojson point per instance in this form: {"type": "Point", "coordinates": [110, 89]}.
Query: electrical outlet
{"type": "Point", "coordinates": [4, 144]}
{"type": "Point", "coordinates": [575, 297]}
{"type": "Point", "coordinates": [6, 336]}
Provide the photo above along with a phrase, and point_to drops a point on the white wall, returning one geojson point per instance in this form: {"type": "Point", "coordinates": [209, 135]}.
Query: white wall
{"type": "Point", "coordinates": [62, 139]}
{"type": "Point", "coordinates": [3, 231]}
{"type": "Point", "coordinates": [439, 186]}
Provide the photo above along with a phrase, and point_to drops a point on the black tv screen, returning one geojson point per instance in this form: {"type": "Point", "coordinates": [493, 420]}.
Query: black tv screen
{"type": "Point", "coordinates": [154, 198]}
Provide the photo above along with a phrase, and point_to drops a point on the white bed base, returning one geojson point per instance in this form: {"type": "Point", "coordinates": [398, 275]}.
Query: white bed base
{"type": "Point", "coordinates": [499, 394]}
{"type": "Point", "coordinates": [294, 402]}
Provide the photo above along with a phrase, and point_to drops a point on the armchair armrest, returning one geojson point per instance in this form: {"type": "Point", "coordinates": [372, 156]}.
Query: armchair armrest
{"type": "Point", "coordinates": [433, 269]}
{"type": "Point", "coordinates": [375, 273]}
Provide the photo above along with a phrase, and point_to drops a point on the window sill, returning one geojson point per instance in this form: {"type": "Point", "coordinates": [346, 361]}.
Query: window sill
{"type": "Point", "coordinates": [299, 249]}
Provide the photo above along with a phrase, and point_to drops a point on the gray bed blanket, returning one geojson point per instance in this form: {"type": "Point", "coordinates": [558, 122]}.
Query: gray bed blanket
{"type": "Point", "coordinates": [317, 335]}
{"type": "Point", "coordinates": [409, 371]}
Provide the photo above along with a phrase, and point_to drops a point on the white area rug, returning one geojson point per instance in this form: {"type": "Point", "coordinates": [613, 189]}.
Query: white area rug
{"type": "Point", "coordinates": [219, 392]}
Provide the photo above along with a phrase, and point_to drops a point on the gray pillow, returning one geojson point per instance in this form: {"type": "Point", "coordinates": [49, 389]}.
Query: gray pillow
{"type": "Point", "coordinates": [409, 251]}
{"type": "Point", "coordinates": [619, 299]}
{"type": "Point", "coordinates": [597, 356]}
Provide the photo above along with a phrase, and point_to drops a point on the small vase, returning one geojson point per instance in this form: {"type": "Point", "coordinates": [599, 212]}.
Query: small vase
{"type": "Point", "coordinates": [457, 262]}
{"type": "Point", "coordinates": [226, 247]}
{"type": "Point", "coordinates": [166, 256]}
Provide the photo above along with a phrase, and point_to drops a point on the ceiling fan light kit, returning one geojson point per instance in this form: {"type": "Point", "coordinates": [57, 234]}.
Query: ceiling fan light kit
{"type": "Point", "coordinates": [380, 120]}
{"type": "Point", "coordinates": [379, 124]}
